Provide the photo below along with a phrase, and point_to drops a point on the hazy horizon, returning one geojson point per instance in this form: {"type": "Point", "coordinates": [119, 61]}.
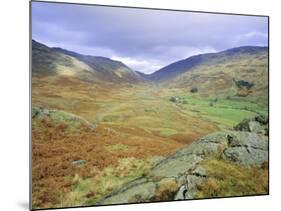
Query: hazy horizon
{"type": "Point", "coordinates": [145, 40]}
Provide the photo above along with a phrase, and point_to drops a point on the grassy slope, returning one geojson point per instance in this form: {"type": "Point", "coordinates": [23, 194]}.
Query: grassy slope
{"type": "Point", "coordinates": [228, 179]}
{"type": "Point", "coordinates": [215, 79]}
{"type": "Point", "coordinates": [135, 123]}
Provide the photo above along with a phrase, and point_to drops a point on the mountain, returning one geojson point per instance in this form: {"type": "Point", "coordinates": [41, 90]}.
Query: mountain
{"type": "Point", "coordinates": [108, 69]}
{"type": "Point", "coordinates": [237, 72]}
{"type": "Point", "coordinates": [172, 70]}
{"type": "Point", "coordinates": [241, 72]}
{"type": "Point", "coordinates": [46, 60]}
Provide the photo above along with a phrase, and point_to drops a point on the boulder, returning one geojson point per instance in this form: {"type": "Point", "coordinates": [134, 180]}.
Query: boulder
{"type": "Point", "coordinates": [246, 156]}
{"type": "Point", "coordinates": [78, 162]}
{"type": "Point", "coordinates": [263, 119]}
{"type": "Point", "coordinates": [246, 148]}
{"type": "Point", "coordinates": [258, 124]}
{"type": "Point", "coordinates": [247, 139]}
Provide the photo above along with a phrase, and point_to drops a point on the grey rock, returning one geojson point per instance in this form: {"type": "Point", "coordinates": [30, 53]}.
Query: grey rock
{"type": "Point", "coordinates": [139, 193]}
{"type": "Point", "coordinates": [246, 156]}
{"type": "Point", "coordinates": [181, 193]}
{"type": "Point", "coordinates": [78, 162]}
{"type": "Point", "coordinates": [39, 112]}
{"type": "Point", "coordinates": [263, 119]}
{"type": "Point", "coordinates": [209, 144]}
{"type": "Point", "coordinates": [175, 167]}
{"type": "Point", "coordinates": [192, 182]}
{"type": "Point", "coordinates": [199, 171]}
{"type": "Point", "coordinates": [257, 124]}
{"type": "Point", "coordinates": [181, 180]}
{"type": "Point", "coordinates": [243, 126]}
{"type": "Point", "coordinates": [245, 146]}
{"type": "Point", "coordinates": [247, 139]}
{"type": "Point", "coordinates": [255, 127]}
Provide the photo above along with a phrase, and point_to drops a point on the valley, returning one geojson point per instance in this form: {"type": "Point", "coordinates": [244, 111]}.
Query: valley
{"type": "Point", "coordinates": [93, 132]}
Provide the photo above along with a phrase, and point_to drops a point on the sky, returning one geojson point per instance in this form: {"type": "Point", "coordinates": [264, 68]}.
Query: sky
{"type": "Point", "coordinates": [145, 40]}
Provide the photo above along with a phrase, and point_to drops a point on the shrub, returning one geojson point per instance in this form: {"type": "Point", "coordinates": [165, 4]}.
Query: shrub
{"type": "Point", "coordinates": [176, 99]}
{"type": "Point", "coordinates": [194, 90]}
{"type": "Point", "coordinates": [166, 189]}
{"type": "Point", "coordinates": [242, 83]}
{"type": "Point", "coordinates": [173, 99]}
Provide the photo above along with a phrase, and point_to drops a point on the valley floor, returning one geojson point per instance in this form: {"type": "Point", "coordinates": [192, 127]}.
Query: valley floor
{"type": "Point", "coordinates": [90, 139]}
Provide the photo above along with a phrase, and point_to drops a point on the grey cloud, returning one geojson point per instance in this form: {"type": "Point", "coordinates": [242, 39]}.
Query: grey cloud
{"type": "Point", "coordinates": [143, 35]}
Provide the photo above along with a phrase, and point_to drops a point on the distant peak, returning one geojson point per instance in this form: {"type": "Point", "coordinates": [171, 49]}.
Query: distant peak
{"type": "Point", "coordinates": [245, 49]}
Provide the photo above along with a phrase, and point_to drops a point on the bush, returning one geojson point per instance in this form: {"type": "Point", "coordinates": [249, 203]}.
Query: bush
{"type": "Point", "coordinates": [173, 99]}
{"type": "Point", "coordinates": [242, 83]}
{"type": "Point", "coordinates": [194, 90]}
{"type": "Point", "coordinates": [176, 99]}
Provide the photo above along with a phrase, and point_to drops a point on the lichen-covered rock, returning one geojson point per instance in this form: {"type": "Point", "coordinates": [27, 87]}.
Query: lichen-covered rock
{"type": "Point", "coordinates": [208, 145]}
{"type": "Point", "coordinates": [57, 117]}
{"type": "Point", "coordinates": [141, 192]}
{"type": "Point", "coordinates": [175, 167]}
{"type": "Point", "coordinates": [181, 194]}
{"type": "Point", "coordinates": [247, 139]}
{"type": "Point", "coordinates": [258, 124]}
{"type": "Point", "coordinates": [246, 155]}
{"type": "Point", "coordinates": [263, 119]}
{"type": "Point", "coordinates": [192, 182]}
{"type": "Point", "coordinates": [246, 148]}
{"type": "Point", "coordinates": [178, 176]}
{"type": "Point", "coordinates": [199, 171]}
{"type": "Point", "coordinates": [78, 162]}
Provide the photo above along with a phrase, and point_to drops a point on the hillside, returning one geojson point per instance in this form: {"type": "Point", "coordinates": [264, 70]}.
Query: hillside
{"type": "Point", "coordinates": [108, 69]}
{"type": "Point", "coordinates": [101, 134]}
{"type": "Point", "coordinates": [237, 72]}
{"type": "Point", "coordinates": [50, 61]}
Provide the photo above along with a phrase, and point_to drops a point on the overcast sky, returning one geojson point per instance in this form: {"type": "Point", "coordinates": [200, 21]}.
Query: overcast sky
{"type": "Point", "coordinates": [145, 40]}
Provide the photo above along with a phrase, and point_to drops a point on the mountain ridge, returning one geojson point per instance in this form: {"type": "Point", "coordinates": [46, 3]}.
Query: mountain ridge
{"type": "Point", "coordinates": [174, 69]}
{"type": "Point", "coordinates": [47, 60]}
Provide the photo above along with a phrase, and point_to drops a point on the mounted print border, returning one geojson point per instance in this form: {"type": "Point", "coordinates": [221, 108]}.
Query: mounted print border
{"type": "Point", "coordinates": [138, 105]}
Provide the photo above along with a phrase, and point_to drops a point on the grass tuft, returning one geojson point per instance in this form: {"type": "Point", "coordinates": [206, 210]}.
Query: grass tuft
{"type": "Point", "coordinates": [228, 179]}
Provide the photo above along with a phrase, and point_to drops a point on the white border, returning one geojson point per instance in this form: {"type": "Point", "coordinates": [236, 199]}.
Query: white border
{"type": "Point", "coordinates": [14, 116]}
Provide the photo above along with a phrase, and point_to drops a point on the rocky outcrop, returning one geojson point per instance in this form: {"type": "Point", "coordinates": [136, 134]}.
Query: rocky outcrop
{"type": "Point", "coordinates": [246, 148]}
{"type": "Point", "coordinates": [177, 176]}
{"type": "Point", "coordinates": [57, 116]}
{"type": "Point", "coordinates": [258, 124]}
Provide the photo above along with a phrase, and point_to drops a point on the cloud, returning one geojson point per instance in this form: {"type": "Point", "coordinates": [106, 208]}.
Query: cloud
{"type": "Point", "coordinates": [145, 66]}
{"type": "Point", "coordinates": [256, 38]}
{"type": "Point", "coordinates": [149, 64]}
{"type": "Point", "coordinates": [142, 39]}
